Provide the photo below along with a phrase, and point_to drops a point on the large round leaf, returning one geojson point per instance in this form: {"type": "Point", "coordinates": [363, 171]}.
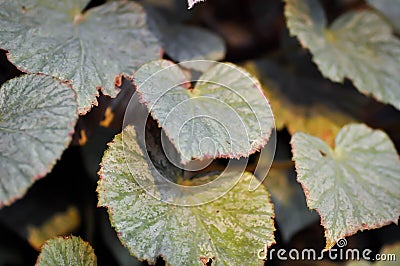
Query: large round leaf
{"type": "Point", "coordinates": [354, 186]}
{"type": "Point", "coordinates": [67, 252]}
{"type": "Point", "coordinates": [229, 230]}
{"type": "Point", "coordinates": [224, 115]}
{"type": "Point", "coordinates": [358, 45]}
{"type": "Point", "coordinates": [90, 50]}
{"type": "Point", "coordinates": [37, 118]}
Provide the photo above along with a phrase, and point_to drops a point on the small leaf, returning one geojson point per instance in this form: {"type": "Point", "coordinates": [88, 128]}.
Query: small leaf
{"type": "Point", "coordinates": [65, 252]}
{"type": "Point", "coordinates": [228, 230]}
{"type": "Point", "coordinates": [183, 43]}
{"type": "Point", "coordinates": [389, 8]}
{"type": "Point", "coordinates": [226, 108]}
{"type": "Point", "coordinates": [354, 186]}
{"type": "Point", "coordinates": [37, 118]}
{"type": "Point", "coordinates": [358, 45]}
{"type": "Point", "coordinates": [89, 49]}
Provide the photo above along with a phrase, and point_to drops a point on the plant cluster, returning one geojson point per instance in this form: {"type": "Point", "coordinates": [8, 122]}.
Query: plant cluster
{"type": "Point", "coordinates": [144, 77]}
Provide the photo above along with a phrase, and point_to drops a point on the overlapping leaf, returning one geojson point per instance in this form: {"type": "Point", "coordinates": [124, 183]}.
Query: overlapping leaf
{"type": "Point", "coordinates": [354, 186]}
{"type": "Point", "coordinates": [184, 43]}
{"type": "Point", "coordinates": [358, 45]}
{"type": "Point", "coordinates": [226, 107]}
{"type": "Point", "coordinates": [65, 252]}
{"type": "Point", "coordinates": [37, 118]}
{"type": "Point", "coordinates": [227, 230]}
{"type": "Point", "coordinates": [88, 49]}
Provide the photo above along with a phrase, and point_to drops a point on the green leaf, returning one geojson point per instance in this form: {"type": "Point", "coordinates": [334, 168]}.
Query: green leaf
{"type": "Point", "coordinates": [37, 118]}
{"type": "Point", "coordinates": [391, 10]}
{"type": "Point", "coordinates": [229, 230]}
{"type": "Point", "coordinates": [90, 50]}
{"type": "Point", "coordinates": [226, 108]}
{"type": "Point", "coordinates": [353, 186]}
{"type": "Point", "coordinates": [358, 45]}
{"type": "Point", "coordinates": [67, 251]}
{"type": "Point", "coordinates": [183, 43]}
